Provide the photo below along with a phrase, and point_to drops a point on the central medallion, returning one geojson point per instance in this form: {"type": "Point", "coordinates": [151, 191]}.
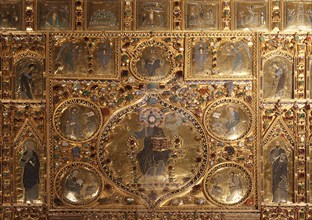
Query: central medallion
{"type": "Point", "coordinates": [153, 150]}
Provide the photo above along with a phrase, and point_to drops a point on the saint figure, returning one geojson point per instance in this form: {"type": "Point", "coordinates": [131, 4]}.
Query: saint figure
{"type": "Point", "coordinates": [152, 63]}
{"type": "Point", "coordinates": [74, 183]}
{"type": "Point", "coordinates": [200, 57]}
{"type": "Point", "coordinates": [104, 56]}
{"type": "Point", "coordinates": [30, 163]}
{"type": "Point", "coordinates": [233, 118]}
{"type": "Point", "coordinates": [235, 186]}
{"type": "Point", "coordinates": [279, 79]}
{"type": "Point", "coordinates": [278, 160]}
{"type": "Point", "coordinates": [26, 86]}
{"type": "Point", "coordinates": [154, 155]}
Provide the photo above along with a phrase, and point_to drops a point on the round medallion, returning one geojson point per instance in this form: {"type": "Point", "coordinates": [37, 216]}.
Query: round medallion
{"type": "Point", "coordinates": [153, 150]}
{"type": "Point", "coordinates": [78, 184]}
{"type": "Point", "coordinates": [77, 120]}
{"type": "Point", "coordinates": [228, 184]}
{"type": "Point", "coordinates": [152, 61]}
{"type": "Point", "coordinates": [228, 119]}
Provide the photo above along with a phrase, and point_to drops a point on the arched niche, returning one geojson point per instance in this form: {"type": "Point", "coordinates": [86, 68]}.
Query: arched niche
{"type": "Point", "coordinates": [277, 169]}
{"type": "Point", "coordinates": [278, 77]}
{"type": "Point", "coordinates": [28, 79]}
{"type": "Point", "coordinates": [29, 167]}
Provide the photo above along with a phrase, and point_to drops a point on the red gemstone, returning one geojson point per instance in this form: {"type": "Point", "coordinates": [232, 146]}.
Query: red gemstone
{"type": "Point", "coordinates": [105, 111]}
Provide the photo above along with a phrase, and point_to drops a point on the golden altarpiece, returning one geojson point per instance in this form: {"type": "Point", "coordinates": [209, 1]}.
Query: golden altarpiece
{"type": "Point", "coordinates": [156, 109]}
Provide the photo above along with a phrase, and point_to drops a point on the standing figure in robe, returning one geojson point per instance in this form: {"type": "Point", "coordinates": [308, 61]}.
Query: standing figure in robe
{"type": "Point", "coordinates": [30, 163]}
{"type": "Point", "coordinates": [278, 160]}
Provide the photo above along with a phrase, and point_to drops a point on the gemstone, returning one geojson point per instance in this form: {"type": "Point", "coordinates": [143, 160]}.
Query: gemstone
{"type": "Point", "coordinates": [230, 150]}
{"type": "Point", "coordinates": [129, 201]}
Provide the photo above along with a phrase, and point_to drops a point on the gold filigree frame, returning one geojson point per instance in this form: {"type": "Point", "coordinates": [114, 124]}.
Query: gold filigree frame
{"type": "Point", "coordinates": [127, 188]}
{"type": "Point", "coordinates": [166, 54]}
{"type": "Point", "coordinates": [246, 176]}
{"type": "Point", "coordinates": [76, 102]}
{"type": "Point", "coordinates": [73, 166]}
{"type": "Point", "coordinates": [229, 101]}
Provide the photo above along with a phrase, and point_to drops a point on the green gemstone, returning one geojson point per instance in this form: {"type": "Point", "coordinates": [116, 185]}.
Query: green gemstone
{"type": "Point", "coordinates": [201, 100]}
{"type": "Point", "coordinates": [179, 57]}
{"type": "Point", "coordinates": [302, 115]}
{"type": "Point", "coordinates": [125, 58]}
{"type": "Point", "coordinates": [129, 97]}
{"type": "Point", "coordinates": [86, 93]}
{"type": "Point", "coordinates": [174, 99]}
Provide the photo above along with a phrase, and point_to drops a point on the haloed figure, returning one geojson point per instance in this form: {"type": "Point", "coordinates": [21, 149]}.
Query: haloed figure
{"type": "Point", "coordinates": [30, 163]}
{"type": "Point", "coordinates": [278, 159]}
{"type": "Point", "coordinates": [233, 118]}
{"type": "Point", "coordinates": [151, 160]}
{"type": "Point", "coordinates": [200, 57]}
{"type": "Point", "coordinates": [152, 63]}
{"type": "Point", "coordinates": [104, 55]}
{"type": "Point", "coordinates": [74, 182]}
{"type": "Point", "coordinates": [26, 82]}
{"type": "Point", "coordinates": [235, 186]}
{"type": "Point", "coordinates": [237, 57]}
{"type": "Point", "coordinates": [279, 79]}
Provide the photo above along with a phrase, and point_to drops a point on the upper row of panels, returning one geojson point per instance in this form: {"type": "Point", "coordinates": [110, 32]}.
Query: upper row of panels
{"type": "Point", "coordinates": [155, 14]}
